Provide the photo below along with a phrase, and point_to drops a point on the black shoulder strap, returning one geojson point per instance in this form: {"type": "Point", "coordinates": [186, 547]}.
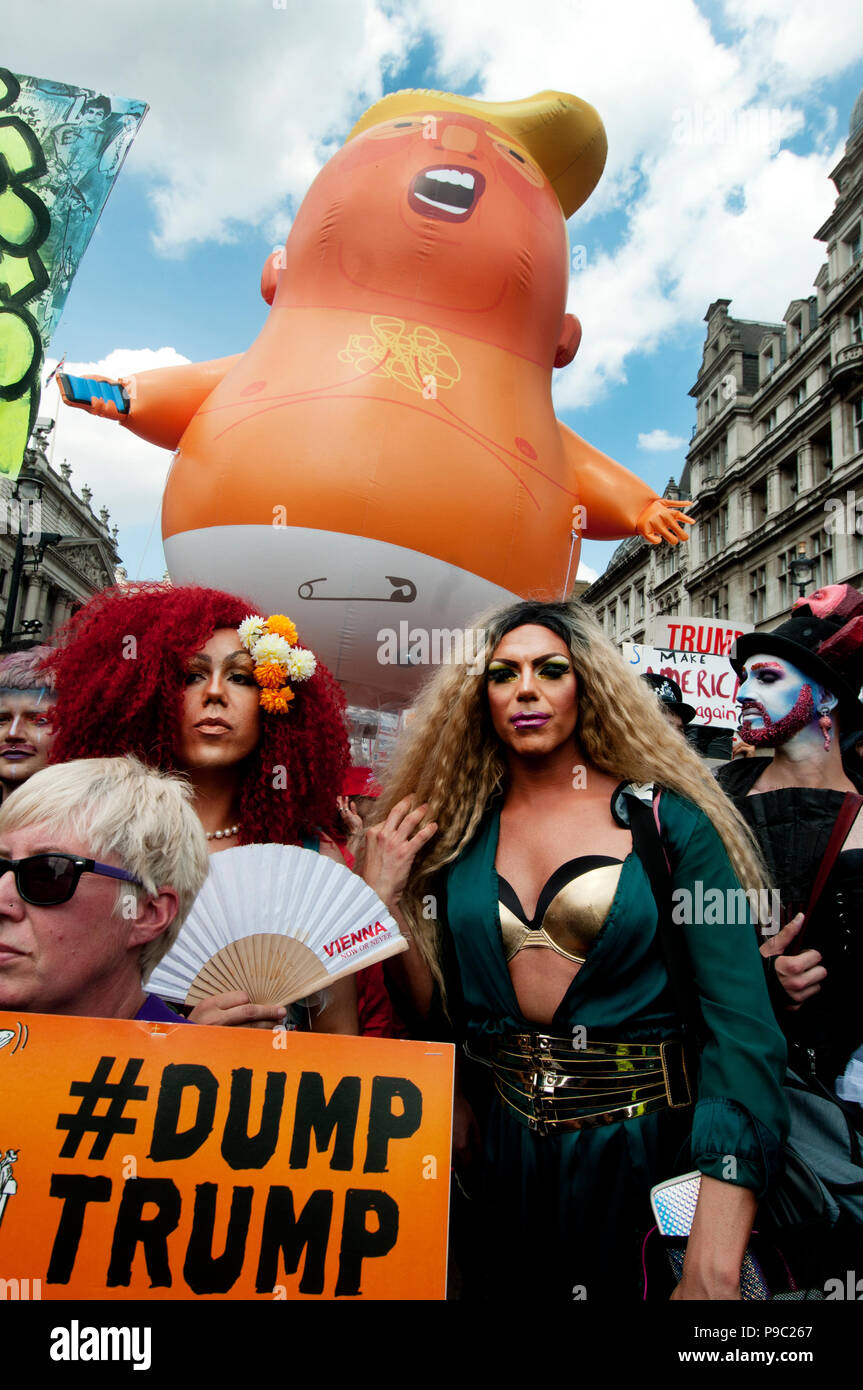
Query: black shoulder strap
{"type": "Point", "coordinates": [672, 943]}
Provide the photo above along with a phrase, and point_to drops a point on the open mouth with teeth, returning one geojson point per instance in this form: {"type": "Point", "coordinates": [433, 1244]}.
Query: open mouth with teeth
{"type": "Point", "coordinates": [446, 191]}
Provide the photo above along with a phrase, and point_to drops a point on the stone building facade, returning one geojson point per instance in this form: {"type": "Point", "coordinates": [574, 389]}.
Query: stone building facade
{"type": "Point", "coordinates": [775, 463]}
{"type": "Point", "coordinates": [57, 581]}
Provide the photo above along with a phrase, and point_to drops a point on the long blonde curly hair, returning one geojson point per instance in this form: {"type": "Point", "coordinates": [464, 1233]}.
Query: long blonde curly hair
{"type": "Point", "coordinates": [450, 757]}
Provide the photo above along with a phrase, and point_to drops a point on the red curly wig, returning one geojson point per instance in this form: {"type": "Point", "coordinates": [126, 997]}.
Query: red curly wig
{"type": "Point", "coordinates": [120, 668]}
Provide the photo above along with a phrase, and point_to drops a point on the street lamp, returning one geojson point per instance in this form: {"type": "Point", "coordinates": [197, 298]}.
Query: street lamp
{"type": "Point", "coordinates": [28, 489]}
{"type": "Point", "coordinates": [801, 568]}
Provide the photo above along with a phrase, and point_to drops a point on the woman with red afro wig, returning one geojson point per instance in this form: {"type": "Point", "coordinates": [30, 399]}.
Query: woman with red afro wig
{"type": "Point", "coordinates": [122, 672]}
{"type": "Point", "coordinates": [161, 673]}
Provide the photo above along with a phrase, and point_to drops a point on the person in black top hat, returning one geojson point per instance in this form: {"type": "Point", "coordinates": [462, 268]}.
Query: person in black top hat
{"type": "Point", "coordinates": [798, 695]}
{"type": "Point", "coordinates": [669, 696]}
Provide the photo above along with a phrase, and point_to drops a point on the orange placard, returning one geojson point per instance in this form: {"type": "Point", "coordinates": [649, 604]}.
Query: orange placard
{"type": "Point", "coordinates": [145, 1160]}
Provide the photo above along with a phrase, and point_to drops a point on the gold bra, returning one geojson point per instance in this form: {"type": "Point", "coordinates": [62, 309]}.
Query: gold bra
{"type": "Point", "coordinates": [570, 913]}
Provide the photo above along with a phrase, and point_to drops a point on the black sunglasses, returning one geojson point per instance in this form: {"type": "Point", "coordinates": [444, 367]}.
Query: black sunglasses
{"type": "Point", "coordinates": [47, 880]}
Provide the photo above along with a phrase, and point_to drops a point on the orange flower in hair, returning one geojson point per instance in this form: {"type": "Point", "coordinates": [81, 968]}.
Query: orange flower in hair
{"type": "Point", "coordinates": [270, 642]}
{"type": "Point", "coordinates": [270, 675]}
{"type": "Point", "coordinates": [282, 627]}
{"type": "Point", "coordinates": [276, 701]}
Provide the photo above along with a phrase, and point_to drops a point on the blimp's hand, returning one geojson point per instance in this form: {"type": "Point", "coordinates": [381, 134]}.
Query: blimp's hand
{"type": "Point", "coordinates": [664, 520]}
{"type": "Point", "coordinates": [110, 402]}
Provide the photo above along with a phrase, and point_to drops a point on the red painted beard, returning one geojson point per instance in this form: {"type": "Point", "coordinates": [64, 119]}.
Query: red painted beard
{"type": "Point", "coordinates": [771, 734]}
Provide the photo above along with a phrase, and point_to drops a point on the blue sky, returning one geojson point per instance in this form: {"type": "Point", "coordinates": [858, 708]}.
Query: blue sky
{"type": "Point", "coordinates": [248, 99]}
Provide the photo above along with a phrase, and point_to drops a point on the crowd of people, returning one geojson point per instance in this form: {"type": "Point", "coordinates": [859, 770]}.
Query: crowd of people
{"type": "Point", "coordinates": [541, 812]}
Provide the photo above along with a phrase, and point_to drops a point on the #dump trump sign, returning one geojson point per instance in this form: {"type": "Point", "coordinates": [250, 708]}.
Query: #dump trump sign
{"type": "Point", "coordinates": [161, 1161]}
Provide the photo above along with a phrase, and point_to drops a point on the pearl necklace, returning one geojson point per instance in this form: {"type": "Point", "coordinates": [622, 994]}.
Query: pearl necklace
{"type": "Point", "coordinates": [222, 834]}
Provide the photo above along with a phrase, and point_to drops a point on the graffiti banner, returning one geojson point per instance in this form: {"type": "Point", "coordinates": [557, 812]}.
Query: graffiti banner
{"type": "Point", "coordinates": [166, 1161]}
{"type": "Point", "coordinates": [61, 149]}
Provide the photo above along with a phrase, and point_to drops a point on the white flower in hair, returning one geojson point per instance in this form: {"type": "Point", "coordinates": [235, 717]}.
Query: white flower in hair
{"type": "Point", "coordinates": [301, 664]}
{"type": "Point", "coordinates": [271, 647]}
{"type": "Point", "coordinates": [251, 629]}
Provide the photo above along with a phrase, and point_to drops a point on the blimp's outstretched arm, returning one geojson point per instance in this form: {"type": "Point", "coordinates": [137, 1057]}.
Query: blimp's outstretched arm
{"type": "Point", "coordinates": [157, 405]}
{"type": "Point", "coordinates": [614, 503]}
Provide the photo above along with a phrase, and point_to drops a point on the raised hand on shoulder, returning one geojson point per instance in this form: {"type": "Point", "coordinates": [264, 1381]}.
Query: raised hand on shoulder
{"type": "Point", "coordinates": [391, 848]}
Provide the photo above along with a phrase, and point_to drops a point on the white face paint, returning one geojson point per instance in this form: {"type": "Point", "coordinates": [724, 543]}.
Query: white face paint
{"type": "Point", "coordinates": [777, 700]}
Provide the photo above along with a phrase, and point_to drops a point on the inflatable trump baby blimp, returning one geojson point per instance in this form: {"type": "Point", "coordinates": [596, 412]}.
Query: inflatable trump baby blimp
{"type": "Point", "coordinates": [385, 457]}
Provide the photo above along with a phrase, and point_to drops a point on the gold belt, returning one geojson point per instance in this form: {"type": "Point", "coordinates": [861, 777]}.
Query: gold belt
{"type": "Point", "coordinates": [555, 1085]}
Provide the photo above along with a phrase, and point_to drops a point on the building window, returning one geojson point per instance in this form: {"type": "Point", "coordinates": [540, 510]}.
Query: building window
{"type": "Point", "coordinates": [639, 603]}
{"type": "Point", "coordinates": [822, 455]}
{"type": "Point", "coordinates": [821, 548]}
{"type": "Point", "coordinates": [858, 423]}
{"type": "Point", "coordinates": [853, 242]}
{"type": "Point", "coordinates": [827, 575]}
{"type": "Point", "coordinates": [717, 603]}
{"type": "Point", "coordinates": [770, 422]}
{"type": "Point", "coordinates": [624, 603]}
{"type": "Point", "coordinates": [795, 333]}
{"type": "Point", "coordinates": [758, 496]}
{"type": "Point", "coordinates": [758, 593]}
{"type": "Point", "coordinates": [612, 620]}
{"type": "Point", "coordinates": [798, 395]}
{"type": "Point", "coordinates": [788, 481]}
{"type": "Point", "coordinates": [855, 318]}
{"type": "Point", "coordinates": [786, 585]}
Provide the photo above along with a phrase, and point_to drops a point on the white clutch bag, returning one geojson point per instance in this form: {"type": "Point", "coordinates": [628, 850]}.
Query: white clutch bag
{"type": "Point", "coordinates": [278, 922]}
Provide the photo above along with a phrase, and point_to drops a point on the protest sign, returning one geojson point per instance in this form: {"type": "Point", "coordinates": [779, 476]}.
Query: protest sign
{"type": "Point", "coordinates": [708, 683]}
{"type": "Point", "coordinates": [166, 1161]}
{"type": "Point", "coordinates": [709, 636]}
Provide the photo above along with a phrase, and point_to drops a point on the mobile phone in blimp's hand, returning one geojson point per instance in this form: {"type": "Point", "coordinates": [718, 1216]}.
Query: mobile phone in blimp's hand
{"type": "Point", "coordinates": [80, 390]}
{"type": "Point", "coordinates": [673, 1203]}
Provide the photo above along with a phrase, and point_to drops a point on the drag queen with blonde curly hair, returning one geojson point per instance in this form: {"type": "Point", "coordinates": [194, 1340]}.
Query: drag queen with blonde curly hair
{"type": "Point", "coordinates": [526, 871]}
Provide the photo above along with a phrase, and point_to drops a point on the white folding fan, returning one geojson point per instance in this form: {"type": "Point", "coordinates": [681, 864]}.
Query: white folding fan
{"type": "Point", "coordinates": [278, 922]}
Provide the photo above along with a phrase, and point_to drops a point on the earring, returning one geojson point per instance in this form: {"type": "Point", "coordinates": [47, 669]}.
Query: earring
{"type": "Point", "coordinates": [825, 724]}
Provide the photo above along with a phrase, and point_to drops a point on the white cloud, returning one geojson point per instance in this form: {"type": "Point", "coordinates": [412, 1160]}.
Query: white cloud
{"type": "Point", "coordinates": [586, 573]}
{"type": "Point", "coordinates": [660, 441]}
{"type": "Point", "coordinates": [789, 43]}
{"type": "Point", "coordinates": [124, 473]}
{"type": "Point", "coordinates": [244, 98]}
{"type": "Point", "coordinates": [247, 101]}
{"type": "Point", "coordinates": [711, 207]}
